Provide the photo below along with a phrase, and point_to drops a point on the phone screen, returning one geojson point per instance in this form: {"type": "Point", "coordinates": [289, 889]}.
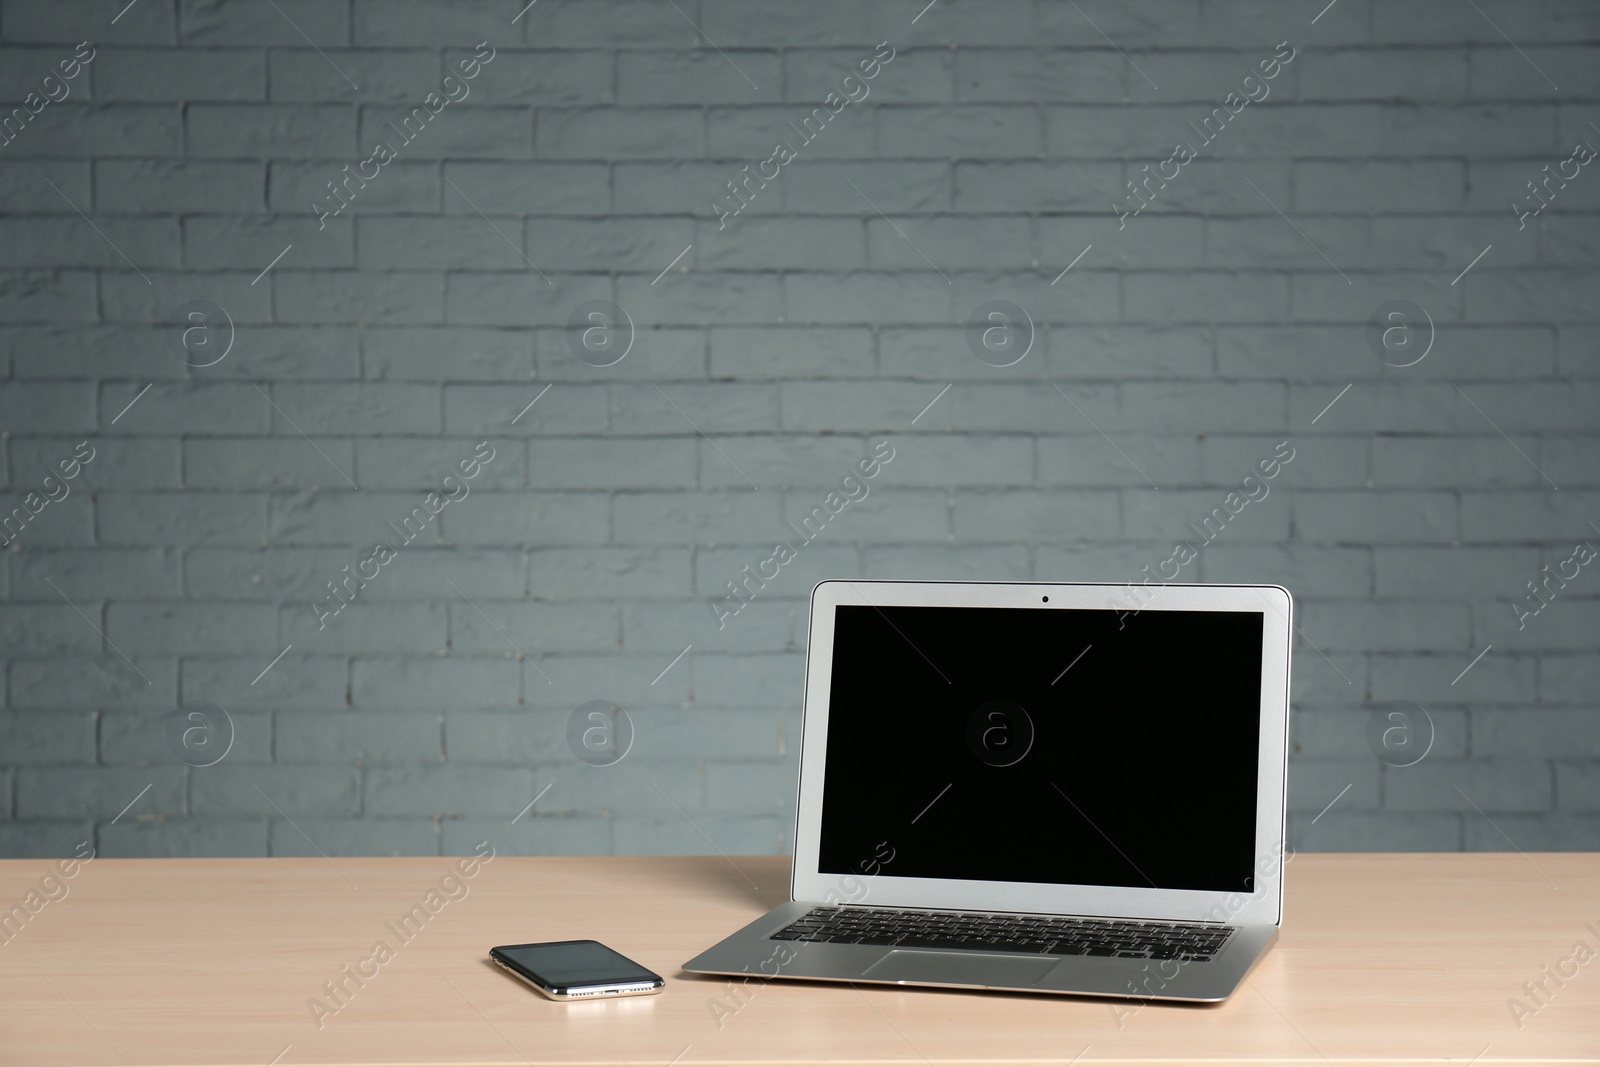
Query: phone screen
{"type": "Point", "coordinates": [559, 964]}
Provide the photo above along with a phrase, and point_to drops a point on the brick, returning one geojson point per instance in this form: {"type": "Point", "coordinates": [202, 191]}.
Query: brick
{"type": "Point", "coordinates": [1315, 783]}
{"type": "Point", "coordinates": [265, 463]}
{"type": "Point", "coordinates": [997, 563]}
{"type": "Point", "coordinates": [619, 133]}
{"type": "Point", "coordinates": [483, 626]}
{"type": "Point", "coordinates": [95, 573]}
{"type": "Point", "coordinates": [950, 241]}
{"type": "Point", "coordinates": [334, 297]}
{"type": "Point", "coordinates": [46, 296]}
{"type": "Point", "coordinates": [72, 242]}
{"type": "Point", "coordinates": [529, 188]}
{"type": "Point", "coordinates": [359, 737]}
{"type": "Point", "coordinates": [600, 243]}
{"type": "Point", "coordinates": [406, 186]}
{"type": "Point", "coordinates": [715, 567]}
{"type": "Point", "coordinates": [853, 297]}
{"type": "Point", "coordinates": [282, 791]}
{"type": "Point", "coordinates": [1273, 242]}
{"type": "Point", "coordinates": [25, 183]}
{"type": "Point", "coordinates": [302, 75]}
{"type": "Point", "coordinates": [554, 78]}
{"type": "Point", "coordinates": [1201, 407]}
{"type": "Point", "coordinates": [979, 516]}
{"type": "Point", "coordinates": [184, 837]}
{"type": "Point", "coordinates": [1548, 832]}
{"type": "Point", "coordinates": [1384, 831]}
{"type": "Point", "coordinates": [1382, 516]}
{"type": "Point", "coordinates": [460, 129]}
{"type": "Point", "coordinates": [371, 626]}
{"type": "Point", "coordinates": [960, 131]}
{"type": "Point", "coordinates": [73, 22]}
{"type": "Point", "coordinates": [52, 737]}
{"type": "Point", "coordinates": [768, 244]}
{"type": "Point", "coordinates": [126, 296]}
{"type": "Point", "coordinates": [450, 791]}
{"type": "Point", "coordinates": [1568, 679]}
{"type": "Point", "coordinates": [762, 626]}
{"type": "Point", "coordinates": [1212, 297]}
{"type": "Point", "coordinates": [311, 837]}
{"type": "Point", "coordinates": [523, 519]}
{"type": "Point", "coordinates": [240, 22]}
{"type": "Point", "coordinates": [610, 23]}
{"type": "Point", "coordinates": [1494, 787]}
{"type": "Point", "coordinates": [758, 788]}
{"type": "Point", "coordinates": [189, 628]}
{"type": "Point", "coordinates": [914, 75]}
{"type": "Point", "coordinates": [1427, 679]}
{"type": "Point", "coordinates": [1412, 185]}
{"type": "Point", "coordinates": [1345, 626]}
{"type": "Point", "coordinates": [81, 130]}
{"type": "Point", "coordinates": [44, 839]}
{"type": "Point", "coordinates": [246, 130]}
{"type": "Point", "coordinates": [179, 74]}
{"type": "Point", "coordinates": [1142, 22]}
{"type": "Point", "coordinates": [1503, 74]}
{"type": "Point", "coordinates": [1522, 516]}
{"type": "Point", "coordinates": [302, 678]}
{"type": "Point", "coordinates": [791, 352]}
{"type": "Point", "coordinates": [142, 738]}
{"type": "Point", "coordinates": [1090, 459]}
{"type": "Point", "coordinates": [1306, 571]}
{"type": "Point", "coordinates": [1410, 74]}
{"type": "Point", "coordinates": [824, 188]}
{"type": "Point", "coordinates": [705, 298]}
{"type": "Point", "coordinates": [44, 792]}
{"type": "Point", "coordinates": [1455, 460]}
{"type": "Point", "coordinates": [1157, 241]}
{"type": "Point", "coordinates": [521, 298]}
{"type": "Point", "coordinates": [297, 352]}
{"type": "Point", "coordinates": [1028, 75]}
{"type": "Point", "coordinates": [1028, 185]}
{"type": "Point", "coordinates": [422, 463]}
{"type": "Point", "coordinates": [203, 407]}
{"type": "Point", "coordinates": [573, 409]}
{"type": "Point", "coordinates": [186, 516]}
{"type": "Point", "coordinates": [1526, 734]}
{"type": "Point", "coordinates": [413, 354]}
{"type": "Point", "coordinates": [424, 22]}
{"type": "Point", "coordinates": [252, 242]}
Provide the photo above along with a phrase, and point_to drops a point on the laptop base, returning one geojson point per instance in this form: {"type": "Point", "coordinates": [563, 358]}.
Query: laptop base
{"type": "Point", "coordinates": [751, 953]}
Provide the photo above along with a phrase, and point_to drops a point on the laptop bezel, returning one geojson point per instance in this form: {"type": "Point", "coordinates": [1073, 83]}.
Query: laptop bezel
{"type": "Point", "coordinates": [1264, 905]}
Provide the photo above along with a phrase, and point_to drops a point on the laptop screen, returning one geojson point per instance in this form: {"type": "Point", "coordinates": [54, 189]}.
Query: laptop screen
{"type": "Point", "coordinates": [1068, 746]}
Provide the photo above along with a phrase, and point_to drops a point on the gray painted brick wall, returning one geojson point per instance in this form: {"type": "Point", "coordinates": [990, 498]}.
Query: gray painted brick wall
{"type": "Point", "coordinates": [769, 349]}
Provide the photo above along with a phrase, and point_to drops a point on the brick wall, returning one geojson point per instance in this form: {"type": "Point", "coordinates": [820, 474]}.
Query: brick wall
{"type": "Point", "coordinates": [172, 198]}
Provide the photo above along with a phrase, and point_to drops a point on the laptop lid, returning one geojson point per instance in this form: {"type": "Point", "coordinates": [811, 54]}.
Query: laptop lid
{"type": "Point", "coordinates": [1046, 747]}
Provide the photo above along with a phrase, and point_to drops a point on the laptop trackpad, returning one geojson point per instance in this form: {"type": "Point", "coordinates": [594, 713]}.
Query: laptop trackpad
{"type": "Point", "coordinates": [960, 968]}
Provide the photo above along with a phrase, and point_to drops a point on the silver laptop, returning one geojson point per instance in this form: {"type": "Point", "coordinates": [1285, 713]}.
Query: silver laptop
{"type": "Point", "coordinates": [1041, 787]}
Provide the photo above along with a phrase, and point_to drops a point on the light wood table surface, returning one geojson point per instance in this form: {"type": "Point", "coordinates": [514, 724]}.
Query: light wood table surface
{"type": "Point", "coordinates": [1384, 959]}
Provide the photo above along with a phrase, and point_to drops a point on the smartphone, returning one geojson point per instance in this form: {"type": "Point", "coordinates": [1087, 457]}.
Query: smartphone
{"type": "Point", "coordinates": [576, 970]}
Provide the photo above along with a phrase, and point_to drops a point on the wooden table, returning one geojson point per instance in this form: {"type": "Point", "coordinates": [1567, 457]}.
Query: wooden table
{"type": "Point", "coordinates": [1384, 959]}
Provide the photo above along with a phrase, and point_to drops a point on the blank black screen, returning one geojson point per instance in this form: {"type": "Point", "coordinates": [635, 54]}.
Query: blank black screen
{"type": "Point", "coordinates": [567, 963]}
{"type": "Point", "coordinates": [1141, 769]}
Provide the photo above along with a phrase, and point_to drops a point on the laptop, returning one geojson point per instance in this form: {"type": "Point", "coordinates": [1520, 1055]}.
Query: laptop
{"type": "Point", "coordinates": [1036, 787]}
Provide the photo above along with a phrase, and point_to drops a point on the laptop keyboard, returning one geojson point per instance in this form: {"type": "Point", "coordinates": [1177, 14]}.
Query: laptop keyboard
{"type": "Point", "coordinates": [1045, 935]}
